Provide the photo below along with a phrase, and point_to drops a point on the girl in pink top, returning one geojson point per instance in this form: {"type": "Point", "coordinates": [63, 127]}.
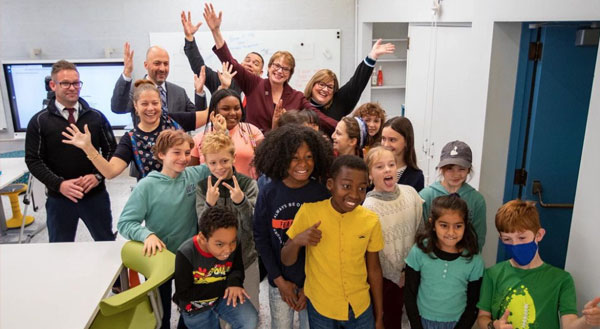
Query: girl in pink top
{"type": "Point", "coordinates": [245, 135]}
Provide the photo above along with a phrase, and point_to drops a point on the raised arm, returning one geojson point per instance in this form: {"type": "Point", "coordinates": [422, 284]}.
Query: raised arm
{"type": "Point", "coordinates": [108, 168]}
{"type": "Point", "coordinates": [247, 81]}
{"type": "Point", "coordinates": [121, 100]}
{"type": "Point", "coordinates": [349, 94]}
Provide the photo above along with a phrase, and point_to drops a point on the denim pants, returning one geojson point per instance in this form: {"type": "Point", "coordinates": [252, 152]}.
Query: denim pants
{"type": "Point", "coordinates": [364, 321]}
{"type": "Point", "coordinates": [282, 316]}
{"type": "Point", "coordinates": [243, 316]}
{"type": "Point", "coordinates": [63, 216]}
{"type": "Point", "coordinates": [428, 324]}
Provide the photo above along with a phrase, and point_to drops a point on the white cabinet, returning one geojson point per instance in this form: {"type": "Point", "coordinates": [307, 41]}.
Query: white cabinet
{"type": "Point", "coordinates": [439, 102]}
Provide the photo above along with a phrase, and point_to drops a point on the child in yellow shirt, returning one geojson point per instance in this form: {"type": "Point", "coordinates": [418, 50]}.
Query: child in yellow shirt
{"type": "Point", "coordinates": [338, 233]}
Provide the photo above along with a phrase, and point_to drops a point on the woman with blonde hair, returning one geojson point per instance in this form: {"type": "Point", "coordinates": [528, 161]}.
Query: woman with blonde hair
{"type": "Point", "coordinates": [324, 93]}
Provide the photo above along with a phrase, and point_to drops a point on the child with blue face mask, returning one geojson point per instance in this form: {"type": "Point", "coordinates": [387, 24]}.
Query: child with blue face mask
{"type": "Point", "coordinates": [525, 292]}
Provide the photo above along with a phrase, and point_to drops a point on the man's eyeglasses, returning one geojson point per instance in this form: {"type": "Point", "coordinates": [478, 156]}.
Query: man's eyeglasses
{"type": "Point", "coordinates": [322, 85]}
{"type": "Point", "coordinates": [67, 85]}
{"type": "Point", "coordinates": [277, 67]}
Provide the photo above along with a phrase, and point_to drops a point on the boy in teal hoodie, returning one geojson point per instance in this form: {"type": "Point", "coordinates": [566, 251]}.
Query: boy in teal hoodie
{"type": "Point", "coordinates": [455, 166]}
{"type": "Point", "coordinates": [165, 201]}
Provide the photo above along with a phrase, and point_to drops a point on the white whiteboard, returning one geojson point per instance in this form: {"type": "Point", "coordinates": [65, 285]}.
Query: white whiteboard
{"type": "Point", "coordinates": [312, 49]}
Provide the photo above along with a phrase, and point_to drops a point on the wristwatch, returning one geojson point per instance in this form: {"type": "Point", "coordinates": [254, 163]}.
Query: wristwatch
{"type": "Point", "coordinates": [99, 177]}
{"type": "Point", "coordinates": [490, 325]}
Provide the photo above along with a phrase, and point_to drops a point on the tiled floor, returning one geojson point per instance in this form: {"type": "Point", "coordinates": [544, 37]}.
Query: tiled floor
{"type": "Point", "coordinates": [119, 189]}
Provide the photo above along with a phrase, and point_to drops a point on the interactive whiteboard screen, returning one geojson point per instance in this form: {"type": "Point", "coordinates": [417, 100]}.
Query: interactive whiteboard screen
{"type": "Point", "coordinates": [27, 92]}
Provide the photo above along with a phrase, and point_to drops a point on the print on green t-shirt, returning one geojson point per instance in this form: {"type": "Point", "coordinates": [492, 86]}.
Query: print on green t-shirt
{"type": "Point", "coordinates": [521, 306]}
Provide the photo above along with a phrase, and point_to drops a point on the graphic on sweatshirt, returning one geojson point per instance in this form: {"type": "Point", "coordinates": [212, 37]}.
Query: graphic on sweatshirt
{"type": "Point", "coordinates": [521, 307]}
{"type": "Point", "coordinates": [217, 273]}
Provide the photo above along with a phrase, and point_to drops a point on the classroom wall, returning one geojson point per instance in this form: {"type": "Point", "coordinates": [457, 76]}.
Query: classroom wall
{"type": "Point", "coordinates": [84, 29]}
{"type": "Point", "coordinates": [582, 260]}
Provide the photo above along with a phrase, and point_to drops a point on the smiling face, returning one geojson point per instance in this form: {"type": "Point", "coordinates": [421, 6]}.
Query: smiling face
{"type": "Point", "coordinates": [300, 168]}
{"type": "Point", "coordinates": [383, 172]}
{"type": "Point", "coordinates": [220, 164]}
{"type": "Point", "coordinates": [175, 159]}
{"type": "Point", "coordinates": [373, 123]}
{"type": "Point", "coordinates": [348, 189]}
{"type": "Point", "coordinates": [221, 243]}
{"type": "Point", "coordinates": [454, 177]}
{"type": "Point", "coordinates": [231, 109]}
{"type": "Point", "coordinates": [342, 143]}
{"type": "Point", "coordinates": [253, 64]}
{"type": "Point", "coordinates": [395, 142]}
{"type": "Point", "coordinates": [66, 96]}
{"type": "Point", "coordinates": [157, 64]}
{"type": "Point", "coordinates": [322, 91]}
{"type": "Point", "coordinates": [449, 229]}
{"type": "Point", "coordinates": [279, 71]}
{"type": "Point", "coordinates": [148, 108]}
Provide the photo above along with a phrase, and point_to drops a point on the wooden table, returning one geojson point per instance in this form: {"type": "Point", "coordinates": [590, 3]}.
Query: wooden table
{"type": "Point", "coordinates": [55, 285]}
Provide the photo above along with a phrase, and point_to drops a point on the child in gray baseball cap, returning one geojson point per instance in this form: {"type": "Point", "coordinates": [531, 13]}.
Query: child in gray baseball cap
{"type": "Point", "coordinates": [455, 166]}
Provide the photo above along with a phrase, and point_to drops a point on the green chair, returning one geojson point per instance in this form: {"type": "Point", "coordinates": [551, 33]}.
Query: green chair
{"type": "Point", "coordinates": [138, 307]}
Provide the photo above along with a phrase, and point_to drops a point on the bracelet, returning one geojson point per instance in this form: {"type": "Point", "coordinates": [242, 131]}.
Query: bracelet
{"type": "Point", "coordinates": [92, 158]}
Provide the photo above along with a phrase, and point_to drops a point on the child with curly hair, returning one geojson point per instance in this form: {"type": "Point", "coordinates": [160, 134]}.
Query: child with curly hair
{"type": "Point", "coordinates": [303, 160]}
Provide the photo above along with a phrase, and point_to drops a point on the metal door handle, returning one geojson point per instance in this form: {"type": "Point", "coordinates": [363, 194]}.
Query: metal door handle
{"type": "Point", "coordinates": [537, 189]}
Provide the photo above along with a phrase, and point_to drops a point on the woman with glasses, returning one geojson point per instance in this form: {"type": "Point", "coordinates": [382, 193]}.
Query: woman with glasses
{"type": "Point", "coordinates": [323, 89]}
{"type": "Point", "coordinates": [264, 97]}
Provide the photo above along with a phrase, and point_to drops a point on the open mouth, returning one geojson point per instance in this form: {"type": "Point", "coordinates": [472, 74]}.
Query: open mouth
{"type": "Point", "coordinates": [389, 181]}
{"type": "Point", "coordinates": [350, 204]}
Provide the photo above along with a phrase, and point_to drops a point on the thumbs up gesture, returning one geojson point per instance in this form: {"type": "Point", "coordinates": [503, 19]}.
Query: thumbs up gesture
{"type": "Point", "coordinates": [503, 323]}
{"type": "Point", "coordinates": [591, 312]}
{"type": "Point", "coordinates": [311, 236]}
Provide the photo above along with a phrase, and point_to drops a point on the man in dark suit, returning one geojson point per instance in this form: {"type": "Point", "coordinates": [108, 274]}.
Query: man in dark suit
{"type": "Point", "coordinates": [75, 188]}
{"type": "Point", "coordinates": [173, 97]}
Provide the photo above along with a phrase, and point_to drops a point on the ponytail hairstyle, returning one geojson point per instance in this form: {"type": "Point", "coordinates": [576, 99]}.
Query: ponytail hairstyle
{"type": "Point", "coordinates": [427, 239]}
{"type": "Point", "coordinates": [356, 129]}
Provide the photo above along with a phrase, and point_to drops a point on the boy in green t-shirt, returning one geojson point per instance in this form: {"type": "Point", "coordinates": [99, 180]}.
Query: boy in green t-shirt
{"type": "Point", "coordinates": [524, 292]}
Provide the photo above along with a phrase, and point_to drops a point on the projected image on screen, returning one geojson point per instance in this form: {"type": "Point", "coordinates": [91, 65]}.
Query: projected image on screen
{"type": "Point", "coordinates": [27, 92]}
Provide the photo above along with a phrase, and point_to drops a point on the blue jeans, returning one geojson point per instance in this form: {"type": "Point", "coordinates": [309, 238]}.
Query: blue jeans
{"type": "Point", "coordinates": [364, 321]}
{"type": "Point", "coordinates": [282, 316]}
{"type": "Point", "coordinates": [243, 316]}
{"type": "Point", "coordinates": [428, 324]}
{"type": "Point", "coordinates": [63, 216]}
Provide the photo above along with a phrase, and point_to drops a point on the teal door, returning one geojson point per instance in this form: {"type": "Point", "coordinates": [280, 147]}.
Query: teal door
{"type": "Point", "coordinates": [554, 82]}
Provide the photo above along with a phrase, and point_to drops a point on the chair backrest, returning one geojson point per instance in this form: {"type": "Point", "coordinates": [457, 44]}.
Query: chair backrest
{"type": "Point", "coordinates": [157, 269]}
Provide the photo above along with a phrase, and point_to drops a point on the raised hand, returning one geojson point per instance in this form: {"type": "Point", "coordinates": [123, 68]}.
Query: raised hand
{"type": "Point", "coordinates": [188, 27]}
{"type": "Point", "coordinates": [310, 237]}
{"type": "Point", "coordinates": [279, 111]}
{"type": "Point", "coordinates": [199, 80]}
{"type": "Point", "coordinates": [127, 60]}
{"type": "Point", "coordinates": [591, 312]}
{"type": "Point", "coordinates": [226, 75]}
{"type": "Point", "coordinates": [76, 138]}
{"type": "Point", "coordinates": [233, 294]}
{"type": "Point", "coordinates": [503, 323]}
{"type": "Point", "coordinates": [152, 244]}
{"type": "Point", "coordinates": [212, 192]}
{"type": "Point", "coordinates": [212, 20]}
{"type": "Point", "coordinates": [235, 192]}
{"type": "Point", "coordinates": [381, 49]}
{"type": "Point", "coordinates": [218, 122]}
